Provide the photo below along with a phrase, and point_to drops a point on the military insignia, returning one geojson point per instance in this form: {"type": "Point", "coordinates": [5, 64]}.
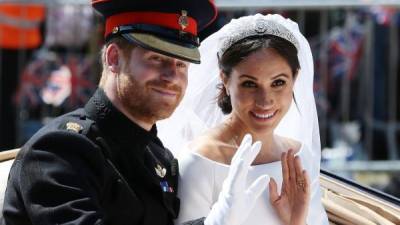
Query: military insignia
{"type": "Point", "coordinates": [115, 30]}
{"type": "Point", "coordinates": [165, 187]}
{"type": "Point", "coordinates": [160, 171]}
{"type": "Point", "coordinates": [183, 20]}
{"type": "Point", "coordinates": [75, 127]}
{"type": "Point", "coordinates": [174, 167]}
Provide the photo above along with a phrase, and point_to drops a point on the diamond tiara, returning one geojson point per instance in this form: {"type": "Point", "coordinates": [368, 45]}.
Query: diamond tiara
{"type": "Point", "coordinates": [241, 29]}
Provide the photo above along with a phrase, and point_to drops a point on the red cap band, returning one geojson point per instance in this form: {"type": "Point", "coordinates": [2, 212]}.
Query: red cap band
{"type": "Point", "coordinates": [167, 20]}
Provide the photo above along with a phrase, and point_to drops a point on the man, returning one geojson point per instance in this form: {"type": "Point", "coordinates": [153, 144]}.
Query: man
{"type": "Point", "coordinates": [104, 164]}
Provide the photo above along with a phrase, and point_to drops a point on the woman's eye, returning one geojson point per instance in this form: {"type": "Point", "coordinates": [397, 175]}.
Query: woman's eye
{"type": "Point", "coordinates": [278, 83]}
{"type": "Point", "coordinates": [249, 84]}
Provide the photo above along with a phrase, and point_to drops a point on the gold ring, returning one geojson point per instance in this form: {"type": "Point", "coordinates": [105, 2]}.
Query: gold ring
{"type": "Point", "coordinates": [300, 183]}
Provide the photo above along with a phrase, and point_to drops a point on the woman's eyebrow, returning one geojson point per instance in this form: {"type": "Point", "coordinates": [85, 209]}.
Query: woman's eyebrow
{"type": "Point", "coordinates": [247, 76]}
{"type": "Point", "coordinates": [280, 75]}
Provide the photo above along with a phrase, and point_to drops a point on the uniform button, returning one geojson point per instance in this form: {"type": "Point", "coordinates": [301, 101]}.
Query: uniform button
{"type": "Point", "coordinates": [119, 181]}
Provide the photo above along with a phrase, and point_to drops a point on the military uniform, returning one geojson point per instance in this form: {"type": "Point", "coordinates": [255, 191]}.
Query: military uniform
{"type": "Point", "coordinates": [94, 165]}
{"type": "Point", "coordinates": [71, 173]}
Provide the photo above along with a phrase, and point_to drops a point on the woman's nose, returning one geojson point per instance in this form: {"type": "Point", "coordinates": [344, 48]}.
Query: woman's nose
{"type": "Point", "coordinates": [264, 99]}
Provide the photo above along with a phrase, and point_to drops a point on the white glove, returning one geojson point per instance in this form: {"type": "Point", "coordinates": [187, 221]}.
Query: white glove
{"type": "Point", "coordinates": [235, 200]}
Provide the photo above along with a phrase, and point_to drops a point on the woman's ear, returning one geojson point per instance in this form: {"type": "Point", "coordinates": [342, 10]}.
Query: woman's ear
{"type": "Point", "coordinates": [113, 58]}
{"type": "Point", "coordinates": [225, 81]}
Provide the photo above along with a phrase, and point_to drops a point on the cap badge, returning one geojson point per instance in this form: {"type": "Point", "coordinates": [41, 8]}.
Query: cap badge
{"type": "Point", "coordinates": [183, 20]}
{"type": "Point", "coordinates": [161, 171]}
{"type": "Point", "coordinates": [75, 127]}
{"type": "Point", "coordinates": [115, 30]}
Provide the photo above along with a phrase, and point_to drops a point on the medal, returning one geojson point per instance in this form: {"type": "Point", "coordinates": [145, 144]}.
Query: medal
{"type": "Point", "coordinates": [160, 171]}
{"type": "Point", "coordinates": [165, 187]}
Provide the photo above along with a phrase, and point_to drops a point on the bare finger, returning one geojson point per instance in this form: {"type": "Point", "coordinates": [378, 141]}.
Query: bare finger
{"type": "Point", "coordinates": [273, 191]}
{"type": "Point", "coordinates": [307, 183]}
{"type": "Point", "coordinates": [292, 170]}
{"type": "Point", "coordinates": [285, 170]}
{"type": "Point", "coordinates": [298, 168]}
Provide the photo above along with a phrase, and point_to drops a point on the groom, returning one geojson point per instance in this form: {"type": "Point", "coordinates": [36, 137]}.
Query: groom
{"type": "Point", "coordinates": [103, 164]}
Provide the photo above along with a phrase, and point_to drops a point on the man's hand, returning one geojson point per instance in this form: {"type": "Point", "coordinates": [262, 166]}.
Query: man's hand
{"type": "Point", "coordinates": [292, 205]}
{"type": "Point", "coordinates": [236, 200]}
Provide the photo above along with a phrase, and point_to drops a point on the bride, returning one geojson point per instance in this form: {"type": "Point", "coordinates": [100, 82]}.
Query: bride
{"type": "Point", "coordinates": [264, 68]}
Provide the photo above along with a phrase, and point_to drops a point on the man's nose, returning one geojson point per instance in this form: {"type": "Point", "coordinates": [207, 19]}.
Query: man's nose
{"type": "Point", "coordinates": [170, 72]}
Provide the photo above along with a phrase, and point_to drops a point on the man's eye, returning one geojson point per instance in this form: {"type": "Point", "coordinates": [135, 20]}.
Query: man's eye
{"type": "Point", "coordinates": [249, 84]}
{"type": "Point", "coordinates": [278, 83]}
{"type": "Point", "coordinates": [181, 65]}
{"type": "Point", "coordinates": [156, 58]}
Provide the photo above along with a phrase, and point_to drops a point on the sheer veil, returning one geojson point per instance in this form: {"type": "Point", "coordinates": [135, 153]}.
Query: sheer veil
{"type": "Point", "coordinates": [198, 110]}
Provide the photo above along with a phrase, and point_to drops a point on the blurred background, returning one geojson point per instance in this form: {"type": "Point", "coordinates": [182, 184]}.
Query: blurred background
{"type": "Point", "coordinates": [49, 65]}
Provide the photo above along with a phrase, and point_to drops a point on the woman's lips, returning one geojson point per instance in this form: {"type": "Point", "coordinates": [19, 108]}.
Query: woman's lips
{"type": "Point", "coordinates": [263, 116]}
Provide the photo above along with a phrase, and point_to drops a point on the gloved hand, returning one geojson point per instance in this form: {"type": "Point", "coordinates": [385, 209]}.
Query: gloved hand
{"type": "Point", "coordinates": [236, 200]}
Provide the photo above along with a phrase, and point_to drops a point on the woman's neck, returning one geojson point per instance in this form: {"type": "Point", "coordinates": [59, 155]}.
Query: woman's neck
{"type": "Point", "coordinates": [234, 130]}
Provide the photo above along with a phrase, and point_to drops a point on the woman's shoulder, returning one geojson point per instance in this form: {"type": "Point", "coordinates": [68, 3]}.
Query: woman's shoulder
{"type": "Point", "coordinates": [198, 160]}
{"type": "Point", "coordinates": [287, 143]}
{"type": "Point", "coordinates": [210, 146]}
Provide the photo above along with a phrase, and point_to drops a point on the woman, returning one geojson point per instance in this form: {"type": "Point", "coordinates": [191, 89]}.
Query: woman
{"type": "Point", "coordinates": [266, 69]}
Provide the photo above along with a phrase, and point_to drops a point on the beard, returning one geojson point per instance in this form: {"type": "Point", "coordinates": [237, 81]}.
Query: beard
{"type": "Point", "coordinates": [142, 103]}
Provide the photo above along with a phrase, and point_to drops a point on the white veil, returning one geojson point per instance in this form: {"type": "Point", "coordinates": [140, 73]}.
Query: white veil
{"type": "Point", "coordinates": [198, 110]}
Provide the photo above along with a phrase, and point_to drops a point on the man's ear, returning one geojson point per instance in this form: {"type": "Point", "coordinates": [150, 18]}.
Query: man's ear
{"type": "Point", "coordinates": [112, 58]}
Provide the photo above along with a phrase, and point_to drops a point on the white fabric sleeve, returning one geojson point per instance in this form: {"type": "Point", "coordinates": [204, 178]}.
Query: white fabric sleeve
{"type": "Point", "coordinates": [196, 183]}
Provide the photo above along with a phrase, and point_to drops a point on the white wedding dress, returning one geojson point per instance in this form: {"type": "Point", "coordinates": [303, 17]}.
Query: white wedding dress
{"type": "Point", "coordinates": [201, 178]}
{"type": "Point", "coordinates": [201, 182]}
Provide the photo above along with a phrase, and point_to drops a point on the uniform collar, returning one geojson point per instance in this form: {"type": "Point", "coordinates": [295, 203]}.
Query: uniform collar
{"type": "Point", "coordinates": [115, 124]}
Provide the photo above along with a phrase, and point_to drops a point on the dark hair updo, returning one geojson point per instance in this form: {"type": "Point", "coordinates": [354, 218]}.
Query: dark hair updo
{"type": "Point", "coordinates": [243, 48]}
